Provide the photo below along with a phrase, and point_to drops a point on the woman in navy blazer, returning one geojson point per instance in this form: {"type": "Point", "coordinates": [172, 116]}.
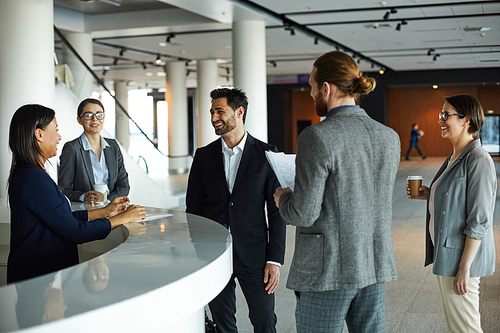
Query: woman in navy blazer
{"type": "Point", "coordinates": [44, 231]}
{"type": "Point", "coordinates": [461, 202]}
{"type": "Point", "coordinates": [91, 159]}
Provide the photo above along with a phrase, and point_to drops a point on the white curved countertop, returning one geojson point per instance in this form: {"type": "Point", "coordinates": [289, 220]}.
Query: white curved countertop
{"type": "Point", "coordinates": [158, 279]}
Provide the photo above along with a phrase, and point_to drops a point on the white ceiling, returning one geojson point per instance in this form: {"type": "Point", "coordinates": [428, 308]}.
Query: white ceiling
{"type": "Point", "coordinates": [202, 30]}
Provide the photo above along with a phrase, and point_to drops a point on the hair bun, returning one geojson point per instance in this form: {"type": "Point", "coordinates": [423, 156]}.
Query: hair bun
{"type": "Point", "coordinates": [364, 85]}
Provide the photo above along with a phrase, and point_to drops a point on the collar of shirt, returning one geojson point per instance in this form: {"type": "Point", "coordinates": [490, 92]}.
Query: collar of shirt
{"type": "Point", "coordinates": [340, 107]}
{"type": "Point", "coordinates": [86, 144]}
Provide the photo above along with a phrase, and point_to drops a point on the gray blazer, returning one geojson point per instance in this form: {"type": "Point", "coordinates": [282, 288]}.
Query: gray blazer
{"type": "Point", "coordinates": [464, 204]}
{"type": "Point", "coordinates": [75, 172]}
{"type": "Point", "coordinates": [342, 203]}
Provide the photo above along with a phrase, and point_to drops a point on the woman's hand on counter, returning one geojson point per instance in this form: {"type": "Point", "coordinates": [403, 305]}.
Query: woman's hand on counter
{"type": "Point", "coordinates": [117, 205]}
{"type": "Point", "coordinates": [133, 213]}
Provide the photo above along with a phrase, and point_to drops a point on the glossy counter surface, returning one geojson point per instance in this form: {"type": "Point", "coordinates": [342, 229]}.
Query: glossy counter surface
{"type": "Point", "coordinates": [166, 269]}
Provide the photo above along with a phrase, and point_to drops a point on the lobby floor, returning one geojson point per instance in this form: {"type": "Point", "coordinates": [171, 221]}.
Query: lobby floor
{"type": "Point", "coordinates": [413, 304]}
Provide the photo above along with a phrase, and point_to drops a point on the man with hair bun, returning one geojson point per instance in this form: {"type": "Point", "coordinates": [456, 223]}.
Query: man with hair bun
{"type": "Point", "coordinates": [346, 166]}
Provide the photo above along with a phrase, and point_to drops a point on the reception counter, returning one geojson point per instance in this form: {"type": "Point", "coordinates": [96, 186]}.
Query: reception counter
{"type": "Point", "coordinates": [153, 276]}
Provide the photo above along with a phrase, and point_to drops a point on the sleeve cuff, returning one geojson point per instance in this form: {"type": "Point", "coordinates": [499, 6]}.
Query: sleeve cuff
{"type": "Point", "coordinates": [273, 263]}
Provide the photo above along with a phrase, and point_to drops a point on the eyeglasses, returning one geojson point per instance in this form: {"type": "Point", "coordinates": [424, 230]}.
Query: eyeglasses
{"type": "Point", "coordinates": [90, 115]}
{"type": "Point", "coordinates": [444, 115]}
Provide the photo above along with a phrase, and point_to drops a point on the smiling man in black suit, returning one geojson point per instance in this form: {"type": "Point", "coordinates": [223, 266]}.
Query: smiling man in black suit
{"type": "Point", "coordinates": [231, 182]}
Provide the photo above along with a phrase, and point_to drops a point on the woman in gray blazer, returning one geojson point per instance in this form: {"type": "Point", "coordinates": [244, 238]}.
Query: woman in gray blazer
{"type": "Point", "coordinates": [90, 159]}
{"type": "Point", "coordinates": [461, 202]}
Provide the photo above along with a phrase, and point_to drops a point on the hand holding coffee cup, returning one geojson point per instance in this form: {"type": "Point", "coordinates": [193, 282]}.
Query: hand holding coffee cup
{"type": "Point", "coordinates": [102, 192]}
{"type": "Point", "coordinates": [414, 188]}
{"type": "Point", "coordinates": [91, 197]}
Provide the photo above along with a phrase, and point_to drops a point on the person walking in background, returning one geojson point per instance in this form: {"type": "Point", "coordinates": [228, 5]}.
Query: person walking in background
{"type": "Point", "coordinates": [231, 182]}
{"type": "Point", "coordinates": [44, 231]}
{"type": "Point", "coordinates": [346, 167]}
{"type": "Point", "coordinates": [415, 135]}
{"type": "Point", "coordinates": [90, 159]}
{"type": "Point", "coordinates": [460, 207]}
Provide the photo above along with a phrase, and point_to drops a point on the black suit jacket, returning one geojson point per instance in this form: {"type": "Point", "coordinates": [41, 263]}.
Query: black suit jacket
{"type": "Point", "coordinates": [75, 172]}
{"type": "Point", "coordinates": [254, 240]}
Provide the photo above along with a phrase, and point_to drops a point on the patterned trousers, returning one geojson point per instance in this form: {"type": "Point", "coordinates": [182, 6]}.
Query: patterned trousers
{"type": "Point", "coordinates": [325, 311]}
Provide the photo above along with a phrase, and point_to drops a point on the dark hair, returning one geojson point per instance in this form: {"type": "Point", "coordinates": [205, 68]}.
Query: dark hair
{"type": "Point", "coordinates": [413, 125]}
{"type": "Point", "coordinates": [22, 141]}
{"type": "Point", "coordinates": [86, 101]}
{"type": "Point", "coordinates": [235, 98]}
{"type": "Point", "coordinates": [340, 69]}
{"type": "Point", "coordinates": [471, 108]}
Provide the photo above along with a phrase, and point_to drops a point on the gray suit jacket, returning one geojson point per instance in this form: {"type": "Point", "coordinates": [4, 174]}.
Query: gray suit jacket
{"type": "Point", "coordinates": [342, 203]}
{"type": "Point", "coordinates": [75, 172]}
{"type": "Point", "coordinates": [464, 204]}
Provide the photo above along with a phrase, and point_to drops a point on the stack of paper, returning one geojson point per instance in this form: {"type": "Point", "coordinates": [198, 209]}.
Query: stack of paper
{"type": "Point", "coordinates": [284, 167]}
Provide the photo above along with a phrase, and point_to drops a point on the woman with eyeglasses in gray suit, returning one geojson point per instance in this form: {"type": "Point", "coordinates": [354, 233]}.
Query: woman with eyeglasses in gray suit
{"type": "Point", "coordinates": [461, 201]}
{"type": "Point", "coordinates": [91, 159]}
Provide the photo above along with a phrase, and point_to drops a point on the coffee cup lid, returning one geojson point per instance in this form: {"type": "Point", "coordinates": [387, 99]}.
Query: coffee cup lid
{"type": "Point", "coordinates": [414, 177]}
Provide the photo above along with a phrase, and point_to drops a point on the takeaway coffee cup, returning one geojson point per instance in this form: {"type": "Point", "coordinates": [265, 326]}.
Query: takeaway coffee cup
{"type": "Point", "coordinates": [415, 183]}
{"type": "Point", "coordinates": [101, 190]}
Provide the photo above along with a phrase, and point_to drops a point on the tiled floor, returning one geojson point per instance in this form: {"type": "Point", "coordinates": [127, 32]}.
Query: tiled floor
{"type": "Point", "coordinates": [413, 304]}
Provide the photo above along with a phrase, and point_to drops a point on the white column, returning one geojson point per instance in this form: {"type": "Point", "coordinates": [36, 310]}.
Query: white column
{"type": "Point", "coordinates": [26, 66]}
{"type": "Point", "coordinates": [84, 81]}
{"type": "Point", "coordinates": [207, 81]}
{"type": "Point", "coordinates": [176, 96]}
{"type": "Point", "coordinates": [122, 121]}
{"type": "Point", "coordinates": [249, 67]}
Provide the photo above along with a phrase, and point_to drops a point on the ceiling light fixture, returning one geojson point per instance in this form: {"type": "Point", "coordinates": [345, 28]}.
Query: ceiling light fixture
{"type": "Point", "coordinates": [381, 71]}
{"type": "Point", "coordinates": [435, 86]}
{"type": "Point", "coordinates": [144, 65]}
{"type": "Point", "coordinates": [316, 40]}
{"type": "Point", "coordinates": [104, 71]}
{"type": "Point", "coordinates": [435, 57]}
{"type": "Point", "coordinates": [158, 59]}
{"type": "Point", "coordinates": [292, 32]}
{"type": "Point", "coordinates": [122, 51]}
{"type": "Point", "coordinates": [115, 61]}
{"type": "Point", "coordinates": [169, 38]}
{"type": "Point", "coordinates": [228, 71]}
{"type": "Point", "coordinates": [398, 27]}
{"type": "Point", "coordinates": [429, 52]}
{"type": "Point", "coordinates": [389, 12]}
{"type": "Point", "coordinates": [272, 62]}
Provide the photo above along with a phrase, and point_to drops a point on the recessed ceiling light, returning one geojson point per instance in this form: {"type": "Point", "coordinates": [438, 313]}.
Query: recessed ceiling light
{"type": "Point", "coordinates": [490, 111]}
{"type": "Point", "coordinates": [149, 74]}
{"type": "Point", "coordinates": [161, 74]}
{"type": "Point", "coordinates": [435, 86]}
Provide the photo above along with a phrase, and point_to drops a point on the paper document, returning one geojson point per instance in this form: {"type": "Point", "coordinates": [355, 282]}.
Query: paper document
{"type": "Point", "coordinates": [284, 167]}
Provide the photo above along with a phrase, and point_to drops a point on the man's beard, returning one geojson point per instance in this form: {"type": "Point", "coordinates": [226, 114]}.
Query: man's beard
{"type": "Point", "coordinates": [321, 107]}
{"type": "Point", "coordinates": [227, 126]}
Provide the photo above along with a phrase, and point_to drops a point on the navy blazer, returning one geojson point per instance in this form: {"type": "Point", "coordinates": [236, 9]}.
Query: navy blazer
{"type": "Point", "coordinates": [44, 231]}
{"type": "Point", "coordinates": [76, 176]}
{"type": "Point", "coordinates": [254, 240]}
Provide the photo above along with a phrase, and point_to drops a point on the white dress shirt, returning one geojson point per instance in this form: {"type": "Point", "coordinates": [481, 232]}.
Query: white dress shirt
{"type": "Point", "coordinates": [232, 159]}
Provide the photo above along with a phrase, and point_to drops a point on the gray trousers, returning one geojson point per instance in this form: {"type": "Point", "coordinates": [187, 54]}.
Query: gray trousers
{"type": "Point", "coordinates": [325, 311]}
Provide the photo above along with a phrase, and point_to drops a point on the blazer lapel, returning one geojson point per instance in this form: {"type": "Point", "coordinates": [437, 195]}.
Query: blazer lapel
{"type": "Point", "coordinates": [245, 158]}
{"type": "Point", "coordinates": [219, 164]}
{"type": "Point", "coordinates": [111, 164]}
{"type": "Point", "coordinates": [88, 165]}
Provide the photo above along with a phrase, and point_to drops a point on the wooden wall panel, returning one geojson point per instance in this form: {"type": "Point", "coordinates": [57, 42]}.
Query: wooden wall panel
{"type": "Point", "coordinates": [490, 99]}
{"type": "Point", "coordinates": [302, 108]}
{"type": "Point", "coordinates": [421, 105]}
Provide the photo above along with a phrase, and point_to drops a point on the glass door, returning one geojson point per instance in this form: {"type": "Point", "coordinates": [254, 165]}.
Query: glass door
{"type": "Point", "coordinates": [490, 134]}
